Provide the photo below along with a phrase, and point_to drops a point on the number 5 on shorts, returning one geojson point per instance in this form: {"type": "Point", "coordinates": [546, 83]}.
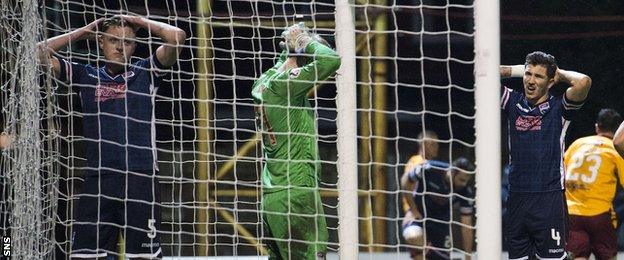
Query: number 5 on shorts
{"type": "Point", "coordinates": [152, 229]}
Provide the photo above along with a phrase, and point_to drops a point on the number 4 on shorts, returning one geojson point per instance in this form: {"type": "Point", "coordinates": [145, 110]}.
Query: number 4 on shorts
{"type": "Point", "coordinates": [555, 236]}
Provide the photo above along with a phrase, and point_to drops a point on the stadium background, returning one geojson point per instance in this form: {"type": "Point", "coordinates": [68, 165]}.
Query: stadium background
{"type": "Point", "coordinates": [582, 35]}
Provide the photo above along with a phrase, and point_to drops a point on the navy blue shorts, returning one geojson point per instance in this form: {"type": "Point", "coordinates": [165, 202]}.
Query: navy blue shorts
{"type": "Point", "coordinates": [110, 202]}
{"type": "Point", "coordinates": [437, 239]}
{"type": "Point", "coordinates": [536, 224]}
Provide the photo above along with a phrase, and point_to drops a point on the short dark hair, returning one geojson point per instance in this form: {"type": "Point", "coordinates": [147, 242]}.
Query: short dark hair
{"type": "Point", "coordinates": [608, 120]}
{"type": "Point", "coordinates": [115, 21]}
{"type": "Point", "coordinates": [463, 165]}
{"type": "Point", "coordinates": [544, 59]}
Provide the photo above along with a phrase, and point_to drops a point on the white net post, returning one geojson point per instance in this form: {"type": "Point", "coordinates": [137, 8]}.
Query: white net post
{"type": "Point", "coordinates": [29, 183]}
{"type": "Point", "coordinates": [346, 125]}
{"type": "Point", "coordinates": [488, 134]}
{"type": "Point", "coordinates": [27, 201]}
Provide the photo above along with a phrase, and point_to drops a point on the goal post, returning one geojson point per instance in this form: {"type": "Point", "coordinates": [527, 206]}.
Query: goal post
{"type": "Point", "coordinates": [346, 124]}
{"type": "Point", "coordinates": [488, 132]}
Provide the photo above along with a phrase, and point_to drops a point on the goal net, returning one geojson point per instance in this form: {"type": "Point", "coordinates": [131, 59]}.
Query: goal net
{"type": "Point", "coordinates": [414, 67]}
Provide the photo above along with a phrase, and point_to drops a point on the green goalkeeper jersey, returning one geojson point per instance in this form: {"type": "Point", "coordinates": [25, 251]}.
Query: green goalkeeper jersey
{"type": "Point", "coordinates": [286, 119]}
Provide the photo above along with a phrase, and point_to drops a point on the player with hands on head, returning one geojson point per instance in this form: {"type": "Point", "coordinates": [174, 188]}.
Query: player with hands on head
{"type": "Point", "coordinates": [120, 191]}
{"type": "Point", "coordinates": [537, 122]}
{"type": "Point", "coordinates": [295, 38]}
{"type": "Point", "coordinates": [292, 212]}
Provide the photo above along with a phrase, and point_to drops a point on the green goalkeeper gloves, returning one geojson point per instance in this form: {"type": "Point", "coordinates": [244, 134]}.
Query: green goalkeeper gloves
{"type": "Point", "coordinates": [295, 38]}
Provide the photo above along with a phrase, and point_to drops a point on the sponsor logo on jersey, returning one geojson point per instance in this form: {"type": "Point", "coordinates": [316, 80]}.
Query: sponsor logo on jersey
{"type": "Point", "coordinates": [106, 91]}
{"type": "Point", "coordinates": [529, 123]}
{"type": "Point", "coordinates": [294, 73]}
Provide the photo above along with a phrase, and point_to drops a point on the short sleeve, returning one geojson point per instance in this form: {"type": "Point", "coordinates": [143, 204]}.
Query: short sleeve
{"type": "Point", "coordinates": [570, 108]}
{"type": "Point", "coordinates": [70, 71]}
{"type": "Point", "coordinates": [415, 173]}
{"type": "Point", "coordinates": [507, 97]}
{"type": "Point", "coordinates": [153, 65]}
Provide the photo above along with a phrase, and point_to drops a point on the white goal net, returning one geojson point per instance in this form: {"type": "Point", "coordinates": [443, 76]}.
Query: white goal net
{"type": "Point", "coordinates": [414, 67]}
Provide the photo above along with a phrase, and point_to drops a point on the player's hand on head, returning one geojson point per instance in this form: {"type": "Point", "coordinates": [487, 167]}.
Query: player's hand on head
{"type": "Point", "coordinates": [131, 19]}
{"type": "Point", "coordinates": [94, 28]}
{"type": "Point", "coordinates": [558, 77]}
{"type": "Point", "coordinates": [295, 38]}
{"type": "Point", "coordinates": [96, 24]}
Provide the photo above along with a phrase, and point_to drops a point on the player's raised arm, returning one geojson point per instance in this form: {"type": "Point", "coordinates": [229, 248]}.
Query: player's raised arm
{"type": "Point", "coordinates": [46, 48]}
{"type": "Point", "coordinates": [310, 60]}
{"type": "Point", "coordinates": [173, 37]}
{"type": "Point", "coordinates": [618, 140]}
{"type": "Point", "coordinates": [579, 84]}
{"type": "Point", "coordinates": [280, 60]}
{"type": "Point", "coordinates": [508, 71]}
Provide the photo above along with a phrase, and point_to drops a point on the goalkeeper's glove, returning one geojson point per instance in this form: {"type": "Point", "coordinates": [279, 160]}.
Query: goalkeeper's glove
{"type": "Point", "coordinates": [295, 38]}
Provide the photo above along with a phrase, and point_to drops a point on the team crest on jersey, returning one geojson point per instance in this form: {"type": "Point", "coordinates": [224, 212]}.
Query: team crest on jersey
{"type": "Point", "coordinates": [529, 123]}
{"type": "Point", "coordinates": [294, 73]}
{"type": "Point", "coordinates": [544, 107]}
{"type": "Point", "coordinates": [106, 91]}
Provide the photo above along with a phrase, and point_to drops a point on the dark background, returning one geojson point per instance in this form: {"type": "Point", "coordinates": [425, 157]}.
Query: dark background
{"type": "Point", "coordinates": [429, 85]}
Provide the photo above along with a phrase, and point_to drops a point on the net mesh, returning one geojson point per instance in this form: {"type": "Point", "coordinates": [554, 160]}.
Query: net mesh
{"type": "Point", "coordinates": [29, 176]}
{"type": "Point", "coordinates": [415, 63]}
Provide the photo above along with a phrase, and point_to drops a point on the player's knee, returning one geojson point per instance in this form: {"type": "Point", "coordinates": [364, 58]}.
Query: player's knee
{"type": "Point", "coordinates": [413, 235]}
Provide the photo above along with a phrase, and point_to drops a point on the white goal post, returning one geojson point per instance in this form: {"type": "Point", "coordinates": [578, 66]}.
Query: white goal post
{"type": "Point", "coordinates": [488, 132]}
{"type": "Point", "coordinates": [346, 124]}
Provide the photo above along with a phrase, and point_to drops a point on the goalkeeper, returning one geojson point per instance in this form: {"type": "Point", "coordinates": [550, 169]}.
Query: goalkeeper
{"type": "Point", "coordinates": [118, 98]}
{"type": "Point", "coordinates": [291, 204]}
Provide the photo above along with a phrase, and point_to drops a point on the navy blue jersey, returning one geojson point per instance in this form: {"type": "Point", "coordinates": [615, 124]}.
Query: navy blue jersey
{"type": "Point", "coordinates": [536, 136]}
{"type": "Point", "coordinates": [434, 193]}
{"type": "Point", "coordinates": [118, 113]}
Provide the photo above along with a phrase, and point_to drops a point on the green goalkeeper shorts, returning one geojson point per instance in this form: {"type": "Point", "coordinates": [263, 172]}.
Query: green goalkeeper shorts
{"type": "Point", "coordinates": [294, 224]}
